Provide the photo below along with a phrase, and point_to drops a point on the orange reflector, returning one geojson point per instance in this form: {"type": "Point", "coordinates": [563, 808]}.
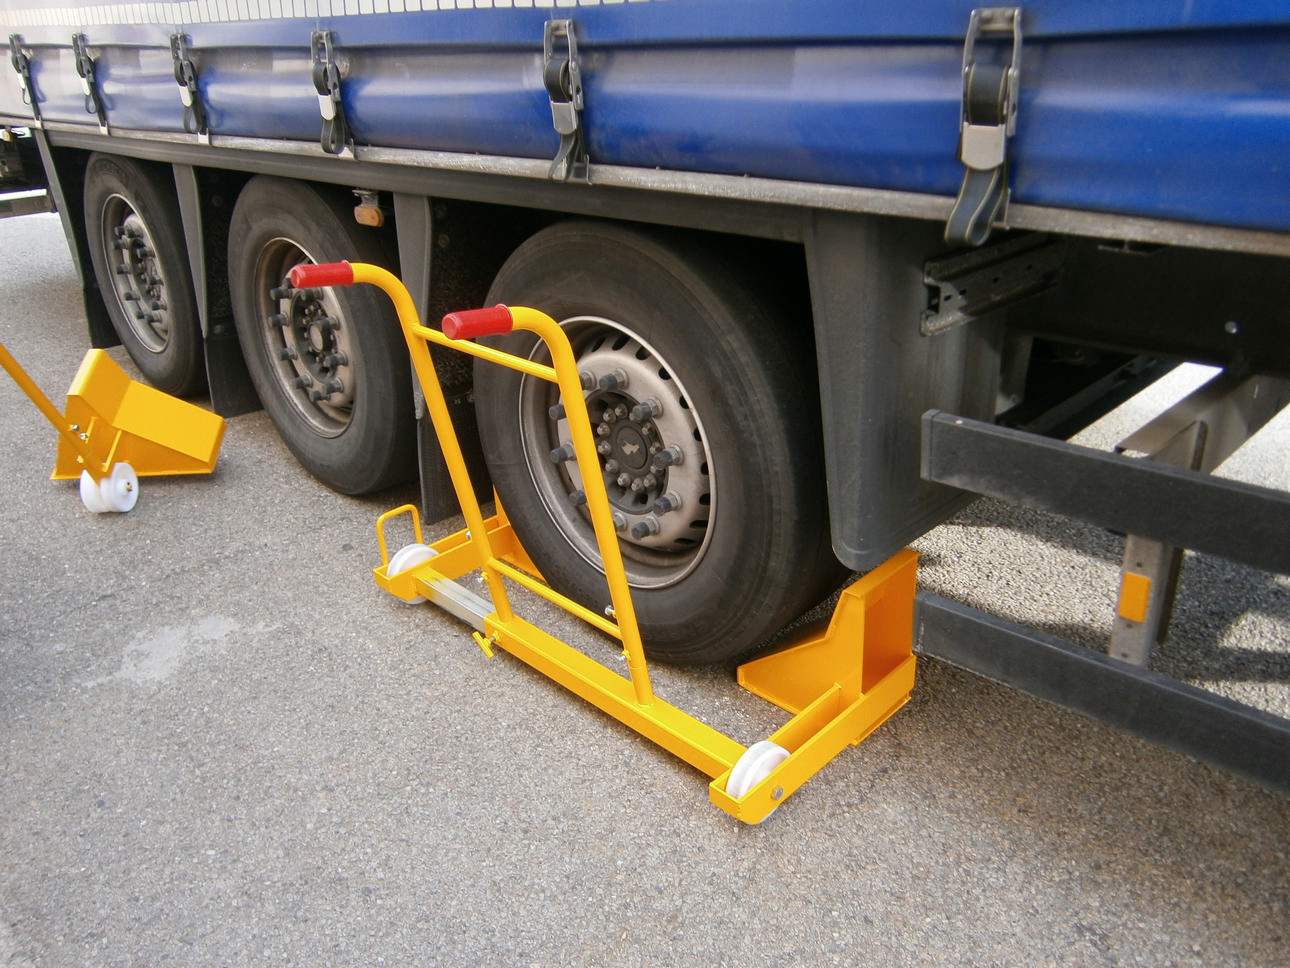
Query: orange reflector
{"type": "Point", "coordinates": [370, 215]}
{"type": "Point", "coordinates": [1135, 592]}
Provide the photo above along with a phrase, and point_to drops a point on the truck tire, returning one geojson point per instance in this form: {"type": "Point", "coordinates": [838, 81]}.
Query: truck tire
{"type": "Point", "coordinates": [330, 365]}
{"type": "Point", "coordinates": [705, 406]}
{"type": "Point", "coordinates": [137, 248]}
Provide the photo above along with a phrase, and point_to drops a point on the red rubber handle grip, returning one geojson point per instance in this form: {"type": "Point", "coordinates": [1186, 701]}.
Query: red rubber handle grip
{"type": "Point", "coordinates": [326, 274]}
{"type": "Point", "coordinates": [478, 322]}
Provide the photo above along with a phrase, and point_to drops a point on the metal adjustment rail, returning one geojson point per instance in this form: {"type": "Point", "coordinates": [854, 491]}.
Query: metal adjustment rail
{"type": "Point", "coordinates": [840, 683]}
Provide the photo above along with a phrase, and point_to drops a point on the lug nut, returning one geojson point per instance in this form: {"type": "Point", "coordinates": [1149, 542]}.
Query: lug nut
{"type": "Point", "coordinates": [616, 380]}
{"type": "Point", "coordinates": [624, 480]}
{"type": "Point", "coordinates": [563, 453]}
{"type": "Point", "coordinates": [670, 501]}
{"type": "Point", "coordinates": [667, 457]}
{"type": "Point", "coordinates": [587, 379]}
{"type": "Point", "coordinates": [278, 319]}
{"type": "Point", "coordinates": [288, 353]}
{"type": "Point", "coordinates": [578, 498]}
{"type": "Point", "coordinates": [645, 527]}
{"type": "Point", "coordinates": [556, 412]}
{"type": "Point", "coordinates": [612, 466]}
{"type": "Point", "coordinates": [335, 359]}
{"type": "Point", "coordinates": [646, 410]}
{"type": "Point", "coordinates": [281, 292]}
{"type": "Point", "coordinates": [302, 381]}
{"type": "Point", "coordinates": [604, 447]}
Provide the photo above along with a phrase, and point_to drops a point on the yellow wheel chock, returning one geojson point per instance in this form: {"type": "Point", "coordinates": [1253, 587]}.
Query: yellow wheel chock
{"type": "Point", "coordinates": [840, 682]}
{"type": "Point", "coordinates": [117, 430]}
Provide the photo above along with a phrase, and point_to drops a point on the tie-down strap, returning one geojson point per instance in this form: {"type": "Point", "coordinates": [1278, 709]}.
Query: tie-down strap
{"type": "Point", "coordinates": [988, 118]}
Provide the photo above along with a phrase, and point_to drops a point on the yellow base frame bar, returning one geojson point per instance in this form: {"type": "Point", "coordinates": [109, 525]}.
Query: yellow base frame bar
{"type": "Point", "coordinates": [840, 683]}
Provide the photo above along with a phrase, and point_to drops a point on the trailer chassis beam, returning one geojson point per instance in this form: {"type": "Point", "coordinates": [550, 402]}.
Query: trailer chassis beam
{"type": "Point", "coordinates": [1237, 738]}
{"type": "Point", "coordinates": [1172, 505]}
{"type": "Point", "coordinates": [1230, 519]}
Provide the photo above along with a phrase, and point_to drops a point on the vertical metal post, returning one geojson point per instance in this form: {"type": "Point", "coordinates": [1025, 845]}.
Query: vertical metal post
{"type": "Point", "coordinates": [1198, 433]}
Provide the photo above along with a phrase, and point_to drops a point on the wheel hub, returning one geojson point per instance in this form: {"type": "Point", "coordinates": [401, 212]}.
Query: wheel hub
{"type": "Point", "coordinates": [137, 281]}
{"type": "Point", "coordinates": [309, 340]}
{"type": "Point", "coordinates": [653, 457]}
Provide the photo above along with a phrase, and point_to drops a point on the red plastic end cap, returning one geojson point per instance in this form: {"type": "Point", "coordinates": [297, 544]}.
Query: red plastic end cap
{"type": "Point", "coordinates": [326, 274]}
{"type": "Point", "coordinates": [478, 322]}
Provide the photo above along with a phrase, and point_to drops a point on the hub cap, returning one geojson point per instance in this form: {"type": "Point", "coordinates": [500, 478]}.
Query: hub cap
{"type": "Point", "coordinates": [653, 455]}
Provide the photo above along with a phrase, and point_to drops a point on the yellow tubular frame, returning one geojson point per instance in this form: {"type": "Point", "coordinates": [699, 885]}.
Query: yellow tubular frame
{"type": "Point", "coordinates": [840, 683]}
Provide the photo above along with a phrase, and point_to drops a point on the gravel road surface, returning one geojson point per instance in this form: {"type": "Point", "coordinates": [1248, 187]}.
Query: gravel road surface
{"type": "Point", "coordinates": [222, 745]}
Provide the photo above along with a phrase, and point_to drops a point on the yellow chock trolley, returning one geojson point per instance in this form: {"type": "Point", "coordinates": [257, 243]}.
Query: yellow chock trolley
{"type": "Point", "coordinates": [840, 683]}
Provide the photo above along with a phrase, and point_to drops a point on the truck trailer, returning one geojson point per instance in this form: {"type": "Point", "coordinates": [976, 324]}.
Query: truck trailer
{"type": "Point", "coordinates": [831, 271]}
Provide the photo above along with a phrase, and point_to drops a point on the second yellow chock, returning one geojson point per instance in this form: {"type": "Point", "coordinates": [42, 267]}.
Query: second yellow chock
{"type": "Point", "coordinates": [116, 430]}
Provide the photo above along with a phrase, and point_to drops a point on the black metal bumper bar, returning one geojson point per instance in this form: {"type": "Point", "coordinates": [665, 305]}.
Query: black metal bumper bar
{"type": "Point", "coordinates": [1230, 519]}
{"type": "Point", "coordinates": [1187, 509]}
{"type": "Point", "coordinates": [1188, 720]}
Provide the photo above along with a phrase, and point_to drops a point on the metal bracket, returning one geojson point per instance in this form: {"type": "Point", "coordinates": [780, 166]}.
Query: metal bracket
{"type": "Point", "coordinates": [186, 78]}
{"type": "Point", "coordinates": [85, 68]}
{"type": "Point", "coordinates": [987, 119]}
{"type": "Point", "coordinates": [964, 287]}
{"type": "Point", "coordinates": [1198, 433]}
{"type": "Point", "coordinates": [22, 64]}
{"type": "Point", "coordinates": [562, 77]}
{"type": "Point", "coordinates": [327, 76]}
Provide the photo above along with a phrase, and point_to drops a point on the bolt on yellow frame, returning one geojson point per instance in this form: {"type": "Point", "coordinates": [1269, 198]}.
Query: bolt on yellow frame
{"type": "Point", "coordinates": [840, 683]}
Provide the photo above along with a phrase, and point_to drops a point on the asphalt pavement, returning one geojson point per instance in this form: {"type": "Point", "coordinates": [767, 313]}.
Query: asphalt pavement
{"type": "Point", "coordinates": [222, 745]}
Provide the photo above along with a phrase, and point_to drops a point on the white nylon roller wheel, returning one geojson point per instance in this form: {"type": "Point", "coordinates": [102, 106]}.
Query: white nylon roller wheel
{"type": "Point", "coordinates": [119, 491]}
{"type": "Point", "coordinates": [754, 766]}
{"type": "Point", "coordinates": [409, 556]}
{"type": "Point", "coordinates": [90, 496]}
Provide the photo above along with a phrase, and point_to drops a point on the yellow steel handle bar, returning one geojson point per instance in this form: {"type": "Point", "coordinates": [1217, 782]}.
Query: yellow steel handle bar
{"type": "Point", "coordinates": [458, 328]}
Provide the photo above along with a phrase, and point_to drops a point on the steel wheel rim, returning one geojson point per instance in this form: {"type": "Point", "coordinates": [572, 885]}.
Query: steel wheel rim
{"type": "Point", "coordinates": [306, 340]}
{"type": "Point", "coordinates": [138, 283]}
{"type": "Point", "coordinates": [661, 544]}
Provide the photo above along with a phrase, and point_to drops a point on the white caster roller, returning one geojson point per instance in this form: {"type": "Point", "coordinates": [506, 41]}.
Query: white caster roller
{"type": "Point", "coordinates": [754, 766]}
{"type": "Point", "coordinates": [90, 496]}
{"type": "Point", "coordinates": [409, 556]}
{"type": "Point", "coordinates": [119, 491]}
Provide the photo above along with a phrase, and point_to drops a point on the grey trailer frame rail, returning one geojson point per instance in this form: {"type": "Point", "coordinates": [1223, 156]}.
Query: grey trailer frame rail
{"type": "Point", "coordinates": [1188, 509]}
